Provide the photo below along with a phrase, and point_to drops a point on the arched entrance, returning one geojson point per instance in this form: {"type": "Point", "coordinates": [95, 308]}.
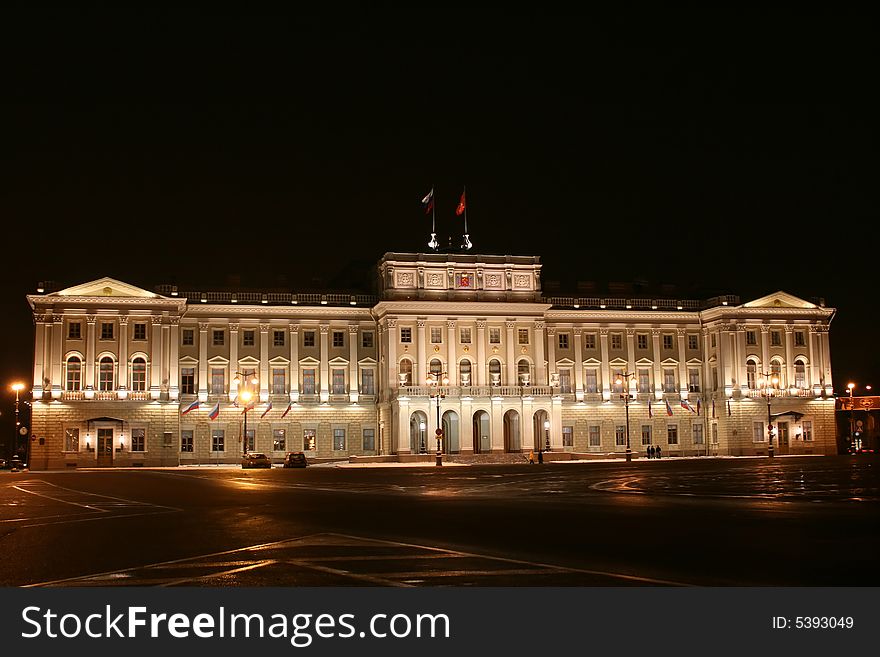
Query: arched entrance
{"type": "Point", "coordinates": [538, 429]}
{"type": "Point", "coordinates": [418, 426]}
{"type": "Point", "coordinates": [451, 443]}
{"type": "Point", "coordinates": [512, 442]}
{"type": "Point", "coordinates": [482, 434]}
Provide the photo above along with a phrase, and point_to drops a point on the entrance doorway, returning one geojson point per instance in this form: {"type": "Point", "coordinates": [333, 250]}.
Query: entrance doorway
{"type": "Point", "coordinates": [482, 436]}
{"type": "Point", "coordinates": [783, 437]}
{"type": "Point", "coordinates": [539, 432]}
{"type": "Point", "coordinates": [511, 432]}
{"type": "Point", "coordinates": [105, 447]}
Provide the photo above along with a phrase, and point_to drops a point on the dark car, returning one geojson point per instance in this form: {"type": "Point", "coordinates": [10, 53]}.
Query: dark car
{"type": "Point", "coordinates": [256, 460]}
{"type": "Point", "coordinates": [15, 464]}
{"type": "Point", "coordinates": [295, 460]}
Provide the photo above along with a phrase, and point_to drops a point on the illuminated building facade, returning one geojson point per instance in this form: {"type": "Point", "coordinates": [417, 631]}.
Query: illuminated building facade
{"type": "Point", "coordinates": [116, 369]}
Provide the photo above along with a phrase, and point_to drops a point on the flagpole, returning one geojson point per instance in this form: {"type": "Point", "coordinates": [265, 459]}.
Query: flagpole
{"type": "Point", "coordinates": [464, 193]}
{"type": "Point", "coordinates": [433, 211]}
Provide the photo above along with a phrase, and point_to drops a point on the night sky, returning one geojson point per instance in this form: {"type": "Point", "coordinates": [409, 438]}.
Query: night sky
{"type": "Point", "coordinates": [720, 153]}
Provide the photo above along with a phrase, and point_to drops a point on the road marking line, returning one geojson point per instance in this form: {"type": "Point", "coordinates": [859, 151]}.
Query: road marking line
{"type": "Point", "coordinates": [205, 578]}
{"type": "Point", "coordinates": [373, 579]}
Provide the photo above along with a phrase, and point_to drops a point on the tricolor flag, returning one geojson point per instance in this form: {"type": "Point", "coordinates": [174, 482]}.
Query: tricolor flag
{"type": "Point", "coordinates": [248, 407]}
{"type": "Point", "coordinates": [650, 412]}
{"type": "Point", "coordinates": [191, 407]}
{"type": "Point", "coordinates": [235, 401]}
{"type": "Point", "coordinates": [289, 406]}
{"type": "Point", "coordinates": [687, 405]}
{"type": "Point", "coordinates": [668, 408]}
{"type": "Point", "coordinates": [461, 206]}
{"type": "Point", "coordinates": [214, 411]}
{"type": "Point", "coordinates": [268, 408]}
{"type": "Point", "coordinates": [699, 406]}
{"type": "Point", "coordinates": [728, 408]}
{"type": "Point", "coordinates": [428, 201]}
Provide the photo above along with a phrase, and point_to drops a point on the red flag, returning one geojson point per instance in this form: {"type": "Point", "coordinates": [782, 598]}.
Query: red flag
{"type": "Point", "coordinates": [461, 206]}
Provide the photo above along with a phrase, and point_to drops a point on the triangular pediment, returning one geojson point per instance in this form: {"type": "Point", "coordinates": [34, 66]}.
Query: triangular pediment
{"type": "Point", "coordinates": [779, 300]}
{"type": "Point", "coordinates": [106, 287]}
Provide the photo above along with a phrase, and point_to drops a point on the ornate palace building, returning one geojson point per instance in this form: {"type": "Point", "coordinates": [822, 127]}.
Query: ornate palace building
{"type": "Point", "coordinates": [124, 376]}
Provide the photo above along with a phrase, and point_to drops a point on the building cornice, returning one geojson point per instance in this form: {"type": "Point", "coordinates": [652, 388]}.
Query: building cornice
{"type": "Point", "coordinates": [458, 308]}
{"type": "Point", "coordinates": [234, 312]}
{"type": "Point", "coordinates": [622, 317]}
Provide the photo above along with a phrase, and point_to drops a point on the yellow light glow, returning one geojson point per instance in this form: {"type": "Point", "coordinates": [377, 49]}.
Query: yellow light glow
{"type": "Point", "coordinates": [850, 385]}
{"type": "Point", "coordinates": [17, 386]}
{"type": "Point", "coordinates": [246, 395]}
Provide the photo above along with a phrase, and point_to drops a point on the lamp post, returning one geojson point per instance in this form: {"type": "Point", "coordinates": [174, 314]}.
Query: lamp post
{"type": "Point", "coordinates": [852, 425]}
{"type": "Point", "coordinates": [245, 381]}
{"type": "Point", "coordinates": [18, 387]}
{"type": "Point", "coordinates": [436, 384]}
{"type": "Point", "coordinates": [624, 379]}
{"type": "Point", "coordinates": [546, 435]}
{"type": "Point", "coordinates": [769, 383]}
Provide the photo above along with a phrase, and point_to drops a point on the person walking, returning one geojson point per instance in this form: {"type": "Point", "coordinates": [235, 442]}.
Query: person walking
{"type": "Point", "coordinates": [657, 452]}
{"type": "Point", "coordinates": [540, 456]}
{"type": "Point", "coordinates": [532, 457]}
{"type": "Point", "coordinates": [650, 451]}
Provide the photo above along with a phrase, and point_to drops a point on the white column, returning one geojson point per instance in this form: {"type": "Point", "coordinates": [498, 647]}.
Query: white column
{"type": "Point", "coordinates": [165, 375]}
{"type": "Point", "coordinates": [658, 374]}
{"type": "Point", "coordinates": [264, 363]}
{"type": "Point", "coordinates": [496, 432]}
{"type": "Point", "coordinates": [39, 354]}
{"type": "Point", "coordinates": [451, 340]}
{"type": "Point", "coordinates": [578, 364]}
{"type": "Point", "coordinates": [606, 364]}
{"type": "Point", "coordinates": [174, 360]}
{"type": "Point", "coordinates": [551, 352]}
{"type": "Point", "coordinates": [325, 365]}
{"type": "Point", "coordinates": [420, 369]}
{"type": "Point", "coordinates": [478, 376]}
{"type": "Point", "coordinates": [765, 348]}
{"type": "Point", "coordinates": [393, 381]}
{"type": "Point", "coordinates": [815, 368]}
{"type": "Point", "coordinates": [726, 360]}
{"type": "Point", "coordinates": [233, 361]}
{"type": "Point", "coordinates": [353, 381]}
{"type": "Point", "coordinates": [631, 359]}
{"type": "Point", "coordinates": [741, 378]}
{"type": "Point", "coordinates": [89, 365]}
{"type": "Point", "coordinates": [682, 365]}
{"type": "Point", "coordinates": [466, 428]}
{"type": "Point", "coordinates": [403, 412]}
{"type": "Point", "coordinates": [706, 374]}
{"type": "Point", "coordinates": [203, 362]}
{"type": "Point", "coordinates": [156, 357]}
{"type": "Point", "coordinates": [826, 359]}
{"type": "Point", "coordinates": [122, 379]}
{"type": "Point", "coordinates": [789, 355]}
{"type": "Point", "coordinates": [293, 330]}
{"type": "Point", "coordinates": [511, 358]}
{"type": "Point", "coordinates": [540, 367]}
{"type": "Point", "coordinates": [556, 425]}
{"type": "Point", "coordinates": [57, 355]}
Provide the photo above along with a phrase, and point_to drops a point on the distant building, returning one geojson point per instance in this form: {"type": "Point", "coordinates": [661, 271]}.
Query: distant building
{"type": "Point", "coordinates": [116, 368]}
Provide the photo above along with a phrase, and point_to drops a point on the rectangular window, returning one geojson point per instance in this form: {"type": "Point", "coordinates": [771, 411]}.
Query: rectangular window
{"type": "Point", "coordinates": [712, 339]}
{"type": "Point", "coordinates": [338, 440]}
{"type": "Point", "coordinates": [406, 334]}
{"type": "Point", "coordinates": [308, 383]}
{"type": "Point", "coordinates": [714, 434]}
{"type": "Point", "coordinates": [369, 440]}
{"type": "Point", "coordinates": [188, 338]}
{"type": "Point", "coordinates": [776, 338]}
{"type": "Point", "coordinates": [565, 380]}
{"type": "Point", "coordinates": [590, 341]}
{"type": "Point", "coordinates": [620, 435]}
{"type": "Point", "coordinates": [799, 339]}
{"type": "Point", "coordinates": [338, 338]}
{"type": "Point", "coordinates": [367, 339]}
{"type": "Point", "coordinates": [758, 432]}
{"type": "Point", "coordinates": [563, 340]}
{"type": "Point", "coordinates": [751, 338]}
{"type": "Point", "coordinates": [693, 342]}
{"type": "Point", "coordinates": [523, 334]}
{"type": "Point", "coordinates": [436, 335]}
{"type": "Point", "coordinates": [642, 340]}
{"type": "Point", "coordinates": [138, 375]}
{"type": "Point", "coordinates": [279, 381]}
{"type": "Point", "coordinates": [672, 434]}
{"type": "Point", "coordinates": [644, 380]}
{"type": "Point", "coordinates": [308, 338]}
{"type": "Point", "coordinates": [595, 436]}
{"type": "Point", "coordinates": [279, 440]}
{"type": "Point", "coordinates": [808, 431]}
{"type": "Point", "coordinates": [494, 336]}
{"type": "Point", "coordinates": [667, 341]}
{"type": "Point", "coordinates": [218, 440]}
{"type": "Point", "coordinates": [220, 338]}
{"type": "Point", "coordinates": [277, 338]}
{"type": "Point", "coordinates": [186, 440]}
{"type": "Point", "coordinates": [617, 341]}
{"type": "Point", "coordinates": [248, 338]}
{"type": "Point", "coordinates": [646, 434]}
{"type": "Point", "coordinates": [167, 438]}
{"type": "Point", "coordinates": [698, 434]}
{"type": "Point", "coordinates": [71, 440]}
{"type": "Point", "coordinates": [74, 331]}
{"type": "Point", "coordinates": [218, 380]}
{"type": "Point", "coordinates": [188, 381]}
{"type": "Point", "coordinates": [337, 381]}
{"type": "Point", "coordinates": [368, 381]}
{"type": "Point", "coordinates": [592, 380]}
{"type": "Point", "coordinates": [568, 436]}
{"type": "Point", "coordinates": [138, 440]}
{"type": "Point", "coordinates": [74, 374]}
{"type": "Point", "coordinates": [464, 335]}
{"type": "Point", "coordinates": [250, 439]}
{"type": "Point", "coordinates": [106, 330]}
{"type": "Point", "coordinates": [310, 440]}
{"type": "Point", "coordinates": [668, 380]}
{"type": "Point", "coordinates": [140, 331]}
{"type": "Point", "coordinates": [694, 380]}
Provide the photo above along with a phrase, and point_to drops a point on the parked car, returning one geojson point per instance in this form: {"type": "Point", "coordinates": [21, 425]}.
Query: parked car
{"type": "Point", "coordinates": [295, 460]}
{"type": "Point", "coordinates": [256, 460]}
{"type": "Point", "coordinates": [15, 464]}
{"type": "Point", "coordinates": [2, 464]}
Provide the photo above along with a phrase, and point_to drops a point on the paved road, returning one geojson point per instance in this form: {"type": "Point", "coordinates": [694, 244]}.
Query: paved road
{"type": "Point", "coordinates": [717, 522]}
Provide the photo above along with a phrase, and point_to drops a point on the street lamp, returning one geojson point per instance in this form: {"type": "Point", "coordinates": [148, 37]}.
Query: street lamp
{"type": "Point", "coordinates": [436, 384]}
{"type": "Point", "coordinates": [546, 435]}
{"type": "Point", "coordinates": [246, 381]}
{"type": "Point", "coordinates": [18, 387]}
{"type": "Point", "coordinates": [852, 426]}
{"type": "Point", "coordinates": [769, 383]}
{"type": "Point", "coordinates": [422, 427]}
{"type": "Point", "coordinates": [622, 378]}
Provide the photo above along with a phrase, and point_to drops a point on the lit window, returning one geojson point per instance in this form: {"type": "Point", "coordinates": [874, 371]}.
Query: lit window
{"type": "Point", "coordinates": [338, 439]}
{"type": "Point", "coordinates": [406, 335]}
{"type": "Point", "coordinates": [138, 375]}
{"type": "Point", "coordinates": [523, 334]}
{"type": "Point", "coordinates": [74, 373]}
{"type": "Point", "coordinates": [218, 440]}
{"type": "Point", "coordinates": [138, 440]}
{"type": "Point", "coordinates": [279, 440]}
{"type": "Point", "coordinates": [338, 338]}
{"type": "Point", "coordinates": [595, 436]}
{"type": "Point", "coordinates": [140, 331]}
{"type": "Point", "coordinates": [436, 335]}
{"type": "Point", "coordinates": [106, 373]}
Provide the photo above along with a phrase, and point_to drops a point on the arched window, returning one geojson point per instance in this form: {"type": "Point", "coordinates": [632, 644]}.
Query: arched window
{"type": "Point", "coordinates": [495, 372]}
{"type": "Point", "coordinates": [406, 372]}
{"type": "Point", "coordinates": [74, 373]}
{"type": "Point", "coordinates": [138, 374]}
{"type": "Point", "coordinates": [800, 374]}
{"type": "Point", "coordinates": [523, 372]}
{"type": "Point", "coordinates": [751, 374]}
{"type": "Point", "coordinates": [436, 367]}
{"type": "Point", "coordinates": [106, 369]}
{"type": "Point", "coordinates": [464, 370]}
{"type": "Point", "coordinates": [776, 371]}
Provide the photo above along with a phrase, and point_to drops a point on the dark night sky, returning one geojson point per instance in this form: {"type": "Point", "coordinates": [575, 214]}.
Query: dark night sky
{"type": "Point", "coordinates": [725, 152]}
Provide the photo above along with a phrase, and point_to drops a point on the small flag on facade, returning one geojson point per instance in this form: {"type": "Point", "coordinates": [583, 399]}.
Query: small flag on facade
{"type": "Point", "coordinates": [191, 407]}
{"type": "Point", "coordinates": [713, 409]}
{"type": "Point", "coordinates": [685, 404]}
{"type": "Point", "coordinates": [289, 406]}
{"type": "Point", "coordinates": [461, 206]}
{"type": "Point", "coordinates": [650, 412]}
{"type": "Point", "coordinates": [668, 408]}
{"type": "Point", "coordinates": [268, 408]}
{"type": "Point", "coordinates": [699, 406]}
{"type": "Point", "coordinates": [428, 201]}
{"type": "Point", "coordinates": [249, 407]}
{"type": "Point", "coordinates": [728, 408]}
{"type": "Point", "coordinates": [214, 411]}
{"type": "Point", "coordinates": [235, 401]}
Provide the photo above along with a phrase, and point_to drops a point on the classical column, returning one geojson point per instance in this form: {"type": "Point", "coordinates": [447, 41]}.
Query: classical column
{"type": "Point", "coordinates": [551, 353]}
{"type": "Point", "coordinates": [511, 354]}
{"type": "Point", "coordinates": [57, 355]}
{"type": "Point", "coordinates": [293, 332]}
{"type": "Point", "coordinates": [89, 365]}
{"type": "Point", "coordinates": [451, 369]}
{"type": "Point", "coordinates": [631, 359]}
{"type": "Point", "coordinates": [203, 362]}
{"type": "Point", "coordinates": [724, 338]}
{"type": "Point", "coordinates": [741, 378]}
{"type": "Point", "coordinates": [165, 374]}
{"type": "Point", "coordinates": [325, 365]}
{"type": "Point", "coordinates": [391, 366]}
{"type": "Point", "coordinates": [174, 360]}
{"type": "Point", "coordinates": [789, 355]}
{"type": "Point", "coordinates": [682, 365]}
{"type": "Point", "coordinates": [478, 376]}
{"type": "Point", "coordinates": [579, 364]}
{"type": "Point", "coordinates": [658, 374]}
{"type": "Point", "coordinates": [540, 367]}
{"type": "Point", "coordinates": [42, 328]}
{"type": "Point", "coordinates": [706, 375]}
{"type": "Point", "coordinates": [765, 348]}
{"type": "Point", "coordinates": [264, 363]}
{"type": "Point", "coordinates": [233, 361]}
{"type": "Point", "coordinates": [814, 369]}
{"type": "Point", "coordinates": [353, 382]}
{"type": "Point", "coordinates": [420, 369]}
{"type": "Point", "coordinates": [606, 364]}
{"type": "Point", "coordinates": [158, 350]}
{"type": "Point", "coordinates": [122, 379]}
{"type": "Point", "coordinates": [826, 359]}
